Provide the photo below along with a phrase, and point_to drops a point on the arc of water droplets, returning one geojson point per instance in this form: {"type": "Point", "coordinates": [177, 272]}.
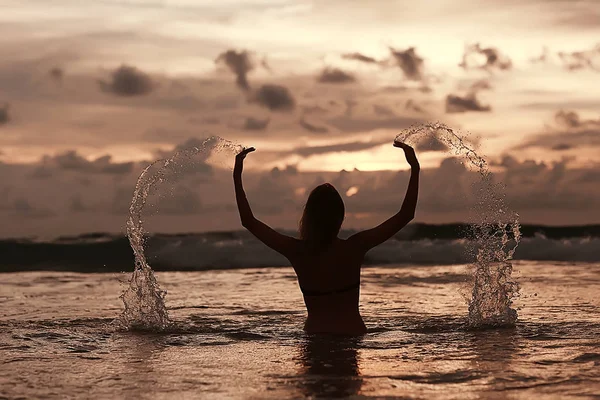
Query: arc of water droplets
{"type": "Point", "coordinates": [144, 299]}
{"type": "Point", "coordinates": [493, 287]}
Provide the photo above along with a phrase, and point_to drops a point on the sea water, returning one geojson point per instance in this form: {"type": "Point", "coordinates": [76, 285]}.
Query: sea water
{"type": "Point", "coordinates": [144, 300]}
{"type": "Point", "coordinates": [494, 230]}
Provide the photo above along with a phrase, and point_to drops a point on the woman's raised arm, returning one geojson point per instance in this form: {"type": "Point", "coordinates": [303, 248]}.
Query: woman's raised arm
{"type": "Point", "coordinates": [370, 238]}
{"type": "Point", "coordinates": [283, 244]}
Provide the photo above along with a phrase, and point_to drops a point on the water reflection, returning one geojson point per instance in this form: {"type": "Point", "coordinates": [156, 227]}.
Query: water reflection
{"type": "Point", "coordinates": [493, 351]}
{"type": "Point", "coordinates": [329, 367]}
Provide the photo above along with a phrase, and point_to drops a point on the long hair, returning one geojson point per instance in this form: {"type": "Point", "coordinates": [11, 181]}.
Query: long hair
{"type": "Point", "coordinates": [322, 217]}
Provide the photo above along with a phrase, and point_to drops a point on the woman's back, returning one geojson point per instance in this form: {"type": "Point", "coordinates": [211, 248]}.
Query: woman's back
{"type": "Point", "coordinates": [330, 282]}
{"type": "Point", "coordinates": [328, 268]}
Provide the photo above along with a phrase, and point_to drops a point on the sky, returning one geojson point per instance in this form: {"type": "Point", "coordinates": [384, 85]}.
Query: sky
{"type": "Point", "coordinates": [92, 92]}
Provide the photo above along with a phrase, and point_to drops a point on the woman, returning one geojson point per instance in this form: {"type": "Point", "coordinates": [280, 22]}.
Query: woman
{"type": "Point", "coordinates": [327, 267]}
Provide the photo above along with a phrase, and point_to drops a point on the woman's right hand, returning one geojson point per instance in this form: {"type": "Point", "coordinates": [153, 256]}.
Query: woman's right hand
{"type": "Point", "coordinates": [242, 154]}
{"type": "Point", "coordinates": [239, 158]}
{"type": "Point", "coordinates": [409, 152]}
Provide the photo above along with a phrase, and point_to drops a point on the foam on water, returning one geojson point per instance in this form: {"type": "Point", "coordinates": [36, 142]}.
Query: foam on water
{"type": "Point", "coordinates": [143, 299]}
{"type": "Point", "coordinates": [495, 231]}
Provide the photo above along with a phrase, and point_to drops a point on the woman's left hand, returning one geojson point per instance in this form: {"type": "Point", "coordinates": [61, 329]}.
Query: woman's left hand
{"type": "Point", "coordinates": [239, 159]}
{"type": "Point", "coordinates": [242, 154]}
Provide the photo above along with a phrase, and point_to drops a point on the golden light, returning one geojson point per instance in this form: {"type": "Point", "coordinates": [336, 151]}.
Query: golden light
{"type": "Point", "coordinates": [352, 191]}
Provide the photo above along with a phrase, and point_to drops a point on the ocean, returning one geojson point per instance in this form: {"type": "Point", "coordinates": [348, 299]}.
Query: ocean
{"type": "Point", "coordinates": [236, 316]}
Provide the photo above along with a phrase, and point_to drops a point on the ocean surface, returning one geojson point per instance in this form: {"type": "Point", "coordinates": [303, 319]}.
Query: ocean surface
{"type": "Point", "coordinates": [420, 244]}
{"type": "Point", "coordinates": [237, 329]}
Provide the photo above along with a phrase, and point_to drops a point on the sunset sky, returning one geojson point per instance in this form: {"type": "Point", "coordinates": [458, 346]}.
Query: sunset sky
{"type": "Point", "coordinates": [91, 92]}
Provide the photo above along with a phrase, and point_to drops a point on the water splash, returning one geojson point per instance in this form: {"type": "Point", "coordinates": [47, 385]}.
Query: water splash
{"type": "Point", "coordinates": [495, 231]}
{"type": "Point", "coordinates": [143, 299]}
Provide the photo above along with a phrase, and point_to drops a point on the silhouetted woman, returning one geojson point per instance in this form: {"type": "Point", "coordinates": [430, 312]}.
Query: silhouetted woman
{"type": "Point", "coordinates": [327, 267]}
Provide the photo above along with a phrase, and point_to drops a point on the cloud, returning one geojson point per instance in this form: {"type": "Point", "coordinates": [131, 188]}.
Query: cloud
{"type": "Point", "coordinates": [128, 81]}
{"type": "Point", "coordinates": [275, 97]}
{"type": "Point", "coordinates": [383, 111]}
{"type": "Point", "coordinates": [581, 59]}
{"type": "Point", "coordinates": [180, 200]}
{"type": "Point", "coordinates": [409, 62]}
{"type": "Point", "coordinates": [240, 64]}
{"type": "Point", "coordinates": [349, 147]}
{"type": "Point", "coordinates": [316, 109]}
{"type": "Point", "coordinates": [56, 73]}
{"type": "Point", "coordinates": [570, 119]}
{"type": "Point", "coordinates": [71, 160]}
{"type": "Point", "coordinates": [335, 75]}
{"type": "Point", "coordinates": [488, 58]}
{"type": "Point", "coordinates": [481, 84]}
{"type": "Point", "coordinates": [413, 106]}
{"type": "Point", "coordinates": [312, 128]}
{"type": "Point", "coordinates": [431, 143]}
{"type": "Point", "coordinates": [570, 132]}
{"type": "Point", "coordinates": [424, 88]}
{"type": "Point", "coordinates": [254, 124]}
{"type": "Point", "coordinates": [76, 204]}
{"type": "Point", "coordinates": [561, 147]}
{"type": "Point", "coordinates": [23, 208]}
{"type": "Point", "coordinates": [542, 58]}
{"type": "Point", "coordinates": [359, 57]}
{"type": "Point", "coordinates": [355, 125]}
{"type": "Point", "coordinates": [458, 104]}
{"type": "Point", "coordinates": [4, 116]}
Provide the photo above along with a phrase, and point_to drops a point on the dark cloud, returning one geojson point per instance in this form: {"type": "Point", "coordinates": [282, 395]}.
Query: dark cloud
{"type": "Point", "coordinates": [128, 81]}
{"type": "Point", "coordinates": [570, 132]}
{"type": "Point", "coordinates": [56, 73]}
{"type": "Point", "coordinates": [383, 111]}
{"type": "Point", "coordinates": [350, 106]}
{"type": "Point", "coordinates": [194, 143]}
{"type": "Point", "coordinates": [402, 88]}
{"type": "Point", "coordinates": [71, 160]}
{"type": "Point", "coordinates": [410, 63]}
{"type": "Point", "coordinates": [159, 134]}
{"type": "Point", "coordinates": [355, 125]}
{"type": "Point", "coordinates": [477, 57]}
{"type": "Point", "coordinates": [180, 200]}
{"type": "Point", "coordinates": [359, 57]}
{"type": "Point", "coordinates": [542, 58]}
{"type": "Point", "coordinates": [312, 128]}
{"type": "Point", "coordinates": [105, 165]}
{"type": "Point", "coordinates": [561, 147]}
{"type": "Point", "coordinates": [431, 143]}
{"type": "Point", "coordinates": [581, 59]}
{"type": "Point", "coordinates": [200, 150]}
{"type": "Point", "coordinates": [482, 84]}
{"type": "Point", "coordinates": [275, 98]}
{"type": "Point", "coordinates": [41, 172]}
{"type": "Point", "coordinates": [314, 109]}
{"type": "Point", "coordinates": [570, 119]}
{"type": "Point", "coordinates": [4, 117]}
{"type": "Point", "coordinates": [121, 200]}
{"type": "Point", "coordinates": [240, 64]}
{"type": "Point", "coordinates": [289, 170]}
{"type": "Point", "coordinates": [23, 208]}
{"type": "Point", "coordinates": [335, 75]}
{"type": "Point", "coordinates": [76, 204]}
{"type": "Point", "coordinates": [338, 147]}
{"type": "Point", "coordinates": [210, 120]}
{"type": "Point", "coordinates": [413, 106]}
{"type": "Point", "coordinates": [254, 124]}
{"type": "Point", "coordinates": [458, 104]}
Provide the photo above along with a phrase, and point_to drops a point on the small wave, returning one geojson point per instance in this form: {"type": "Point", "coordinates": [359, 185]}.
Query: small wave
{"type": "Point", "coordinates": [233, 250]}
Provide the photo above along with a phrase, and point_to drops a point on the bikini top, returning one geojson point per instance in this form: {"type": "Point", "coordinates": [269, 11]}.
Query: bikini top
{"type": "Point", "coordinates": [328, 292]}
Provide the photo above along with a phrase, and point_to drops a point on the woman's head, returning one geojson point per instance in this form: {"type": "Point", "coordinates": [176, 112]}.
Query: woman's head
{"type": "Point", "coordinates": [323, 216]}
